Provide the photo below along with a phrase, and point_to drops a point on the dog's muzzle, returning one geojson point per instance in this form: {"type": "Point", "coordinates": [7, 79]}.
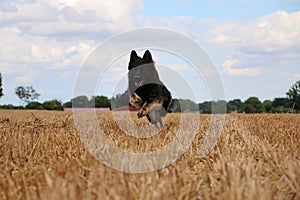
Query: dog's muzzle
{"type": "Point", "coordinates": [138, 82]}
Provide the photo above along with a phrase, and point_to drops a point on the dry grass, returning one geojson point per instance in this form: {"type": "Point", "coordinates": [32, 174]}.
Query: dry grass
{"type": "Point", "coordinates": [256, 157]}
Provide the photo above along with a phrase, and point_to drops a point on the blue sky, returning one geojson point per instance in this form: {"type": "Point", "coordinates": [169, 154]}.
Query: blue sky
{"type": "Point", "coordinates": [255, 45]}
{"type": "Point", "coordinates": [218, 9]}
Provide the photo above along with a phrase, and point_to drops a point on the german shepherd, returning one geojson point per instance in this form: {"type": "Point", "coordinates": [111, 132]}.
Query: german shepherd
{"type": "Point", "coordinates": [147, 92]}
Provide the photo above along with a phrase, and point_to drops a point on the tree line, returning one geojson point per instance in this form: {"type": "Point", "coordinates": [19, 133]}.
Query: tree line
{"type": "Point", "coordinates": [77, 102]}
{"type": "Point", "coordinates": [251, 105]}
{"type": "Point", "coordinates": [291, 103]}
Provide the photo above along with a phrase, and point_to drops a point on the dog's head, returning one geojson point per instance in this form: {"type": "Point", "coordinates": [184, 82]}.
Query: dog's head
{"type": "Point", "coordinates": [141, 70]}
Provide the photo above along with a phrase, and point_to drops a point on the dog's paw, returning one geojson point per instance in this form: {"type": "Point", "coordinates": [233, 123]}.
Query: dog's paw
{"type": "Point", "coordinates": [141, 113]}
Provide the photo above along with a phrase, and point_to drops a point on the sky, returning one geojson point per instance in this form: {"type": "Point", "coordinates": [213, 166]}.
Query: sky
{"type": "Point", "coordinates": [254, 45]}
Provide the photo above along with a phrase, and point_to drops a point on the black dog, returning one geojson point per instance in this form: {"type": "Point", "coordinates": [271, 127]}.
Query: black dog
{"type": "Point", "coordinates": [147, 92]}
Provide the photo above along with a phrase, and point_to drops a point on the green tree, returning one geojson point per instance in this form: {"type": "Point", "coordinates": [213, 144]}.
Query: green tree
{"type": "Point", "coordinates": [219, 107]}
{"type": "Point", "coordinates": [100, 102]}
{"type": "Point", "coordinates": [267, 105]}
{"type": "Point", "coordinates": [280, 101]}
{"type": "Point", "coordinates": [280, 105]}
{"type": "Point", "coordinates": [294, 96]}
{"type": "Point", "coordinates": [7, 106]}
{"type": "Point", "coordinates": [183, 105]}
{"type": "Point", "coordinates": [279, 109]}
{"type": "Point", "coordinates": [53, 105]}
{"type": "Point", "coordinates": [205, 107]}
{"type": "Point", "coordinates": [252, 105]}
{"type": "Point", "coordinates": [27, 94]}
{"type": "Point", "coordinates": [80, 102]}
{"type": "Point", "coordinates": [34, 105]}
{"type": "Point", "coordinates": [175, 106]}
{"type": "Point", "coordinates": [68, 104]}
{"type": "Point", "coordinates": [1, 89]}
{"type": "Point", "coordinates": [234, 105]}
{"type": "Point", "coordinates": [187, 105]}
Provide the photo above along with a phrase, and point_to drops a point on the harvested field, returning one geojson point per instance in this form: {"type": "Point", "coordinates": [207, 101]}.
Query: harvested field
{"type": "Point", "coordinates": [256, 157]}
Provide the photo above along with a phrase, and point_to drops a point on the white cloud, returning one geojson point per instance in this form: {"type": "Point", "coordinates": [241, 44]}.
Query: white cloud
{"type": "Point", "coordinates": [57, 35]}
{"type": "Point", "coordinates": [38, 51]}
{"type": "Point", "coordinates": [269, 44]}
{"type": "Point", "coordinates": [24, 79]}
{"type": "Point", "coordinates": [66, 17]}
{"type": "Point", "coordinates": [177, 67]}
{"type": "Point", "coordinates": [185, 24]}
{"type": "Point", "coordinates": [228, 65]}
{"type": "Point", "coordinates": [61, 65]}
{"type": "Point", "coordinates": [275, 32]}
{"type": "Point", "coordinates": [7, 7]}
{"type": "Point", "coordinates": [6, 68]}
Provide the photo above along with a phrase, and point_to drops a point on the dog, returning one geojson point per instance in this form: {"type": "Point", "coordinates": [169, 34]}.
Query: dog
{"type": "Point", "coordinates": [147, 92]}
{"type": "Point", "coordinates": [153, 100]}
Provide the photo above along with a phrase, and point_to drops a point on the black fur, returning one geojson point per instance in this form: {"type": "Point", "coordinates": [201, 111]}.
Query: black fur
{"type": "Point", "coordinates": [147, 91]}
{"type": "Point", "coordinates": [141, 71]}
{"type": "Point", "coordinates": [154, 93]}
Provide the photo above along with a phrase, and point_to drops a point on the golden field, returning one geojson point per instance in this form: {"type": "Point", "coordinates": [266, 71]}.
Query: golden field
{"type": "Point", "coordinates": [256, 157]}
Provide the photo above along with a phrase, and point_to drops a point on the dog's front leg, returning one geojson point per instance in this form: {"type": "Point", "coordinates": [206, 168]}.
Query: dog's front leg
{"type": "Point", "coordinates": [153, 104]}
{"type": "Point", "coordinates": [144, 110]}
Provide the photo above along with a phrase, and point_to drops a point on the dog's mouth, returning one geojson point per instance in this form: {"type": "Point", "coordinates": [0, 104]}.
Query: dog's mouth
{"type": "Point", "coordinates": [138, 82]}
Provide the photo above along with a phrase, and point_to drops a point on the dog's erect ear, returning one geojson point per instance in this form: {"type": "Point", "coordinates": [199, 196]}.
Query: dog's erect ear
{"type": "Point", "coordinates": [147, 57]}
{"type": "Point", "coordinates": [133, 56]}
